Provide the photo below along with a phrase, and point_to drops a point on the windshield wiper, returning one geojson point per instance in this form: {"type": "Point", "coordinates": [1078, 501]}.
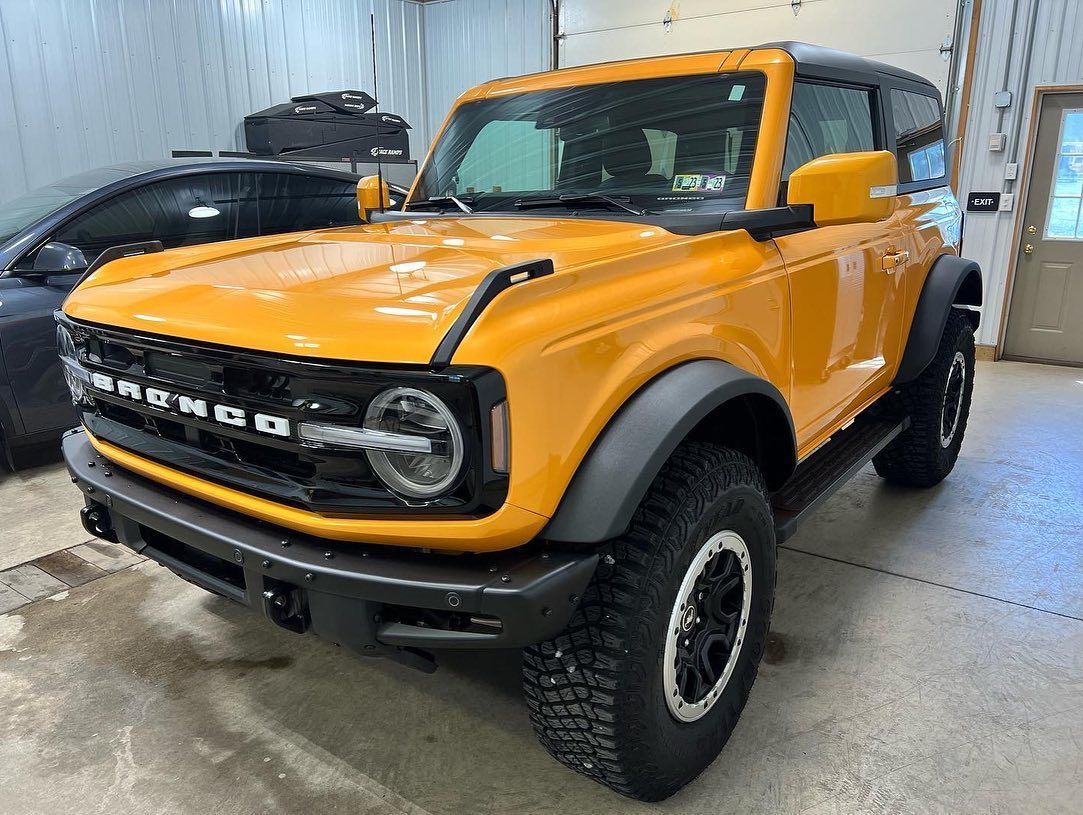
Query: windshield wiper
{"type": "Point", "coordinates": [588, 200]}
{"type": "Point", "coordinates": [444, 200]}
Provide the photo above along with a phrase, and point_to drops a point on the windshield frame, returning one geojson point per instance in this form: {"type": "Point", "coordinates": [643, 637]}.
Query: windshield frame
{"type": "Point", "coordinates": [417, 203]}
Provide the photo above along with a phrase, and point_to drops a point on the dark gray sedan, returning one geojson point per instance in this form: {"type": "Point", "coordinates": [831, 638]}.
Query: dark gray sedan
{"type": "Point", "coordinates": [48, 237]}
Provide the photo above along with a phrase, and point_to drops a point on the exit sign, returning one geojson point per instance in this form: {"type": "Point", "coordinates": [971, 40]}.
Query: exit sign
{"type": "Point", "coordinates": [982, 201]}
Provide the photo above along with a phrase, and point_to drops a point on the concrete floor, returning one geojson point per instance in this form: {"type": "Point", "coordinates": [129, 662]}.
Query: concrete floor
{"type": "Point", "coordinates": [927, 657]}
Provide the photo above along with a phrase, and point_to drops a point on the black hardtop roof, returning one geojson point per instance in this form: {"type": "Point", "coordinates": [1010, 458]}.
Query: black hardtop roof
{"type": "Point", "coordinates": [820, 62]}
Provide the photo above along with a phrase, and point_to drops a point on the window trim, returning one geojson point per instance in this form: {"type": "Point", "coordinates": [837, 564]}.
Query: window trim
{"type": "Point", "coordinates": [876, 113]}
{"type": "Point", "coordinates": [1075, 237]}
{"type": "Point", "coordinates": [896, 84]}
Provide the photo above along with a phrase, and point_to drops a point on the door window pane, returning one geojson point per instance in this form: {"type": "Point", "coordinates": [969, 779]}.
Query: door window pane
{"type": "Point", "coordinates": [1063, 221]}
{"type": "Point", "coordinates": [1069, 180]}
{"type": "Point", "coordinates": [178, 212]}
{"type": "Point", "coordinates": [1072, 138]}
{"type": "Point", "coordinates": [919, 136]}
{"type": "Point", "coordinates": [825, 119]}
{"type": "Point", "coordinates": [293, 203]}
{"type": "Point", "coordinates": [1062, 218]}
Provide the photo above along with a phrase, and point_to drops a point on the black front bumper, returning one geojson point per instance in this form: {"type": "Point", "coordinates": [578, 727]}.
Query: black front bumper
{"type": "Point", "coordinates": [376, 599]}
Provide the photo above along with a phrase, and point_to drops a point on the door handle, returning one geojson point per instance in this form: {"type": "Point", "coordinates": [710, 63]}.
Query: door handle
{"type": "Point", "coordinates": [890, 261]}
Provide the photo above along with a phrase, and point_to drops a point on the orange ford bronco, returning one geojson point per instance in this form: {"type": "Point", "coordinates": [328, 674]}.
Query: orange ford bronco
{"type": "Point", "coordinates": [636, 321]}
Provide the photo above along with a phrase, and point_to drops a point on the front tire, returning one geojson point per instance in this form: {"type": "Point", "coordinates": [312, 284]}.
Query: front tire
{"type": "Point", "coordinates": [938, 404]}
{"type": "Point", "coordinates": [644, 687]}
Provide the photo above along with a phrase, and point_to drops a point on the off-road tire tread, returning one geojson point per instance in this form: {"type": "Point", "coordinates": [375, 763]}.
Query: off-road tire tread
{"type": "Point", "coordinates": [915, 458]}
{"type": "Point", "coordinates": [578, 685]}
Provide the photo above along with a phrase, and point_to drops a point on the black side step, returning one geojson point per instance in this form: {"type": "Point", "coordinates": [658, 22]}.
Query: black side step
{"type": "Point", "coordinates": [821, 474]}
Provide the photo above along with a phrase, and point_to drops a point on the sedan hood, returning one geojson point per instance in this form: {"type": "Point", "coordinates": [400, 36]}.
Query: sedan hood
{"type": "Point", "coordinates": [384, 292]}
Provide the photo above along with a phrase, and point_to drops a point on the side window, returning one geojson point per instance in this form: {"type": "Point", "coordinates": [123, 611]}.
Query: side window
{"type": "Point", "coordinates": [287, 202]}
{"type": "Point", "coordinates": [919, 136]}
{"type": "Point", "coordinates": [826, 119]}
{"type": "Point", "coordinates": [178, 212]}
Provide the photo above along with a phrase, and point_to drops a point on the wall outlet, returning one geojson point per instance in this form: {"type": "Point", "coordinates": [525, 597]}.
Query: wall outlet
{"type": "Point", "coordinates": [1007, 201]}
{"type": "Point", "coordinates": [1011, 171]}
{"type": "Point", "coordinates": [997, 141]}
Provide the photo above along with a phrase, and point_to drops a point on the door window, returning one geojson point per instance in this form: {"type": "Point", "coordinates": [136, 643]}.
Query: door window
{"type": "Point", "coordinates": [287, 202]}
{"type": "Point", "coordinates": [827, 119]}
{"type": "Point", "coordinates": [1064, 220]}
{"type": "Point", "coordinates": [919, 136]}
{"type": "Point", "coordinates": [178, 212]}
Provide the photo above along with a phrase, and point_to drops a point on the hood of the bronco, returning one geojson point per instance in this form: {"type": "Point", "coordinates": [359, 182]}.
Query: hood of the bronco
{"type": "Point", "coordinates": [384, 292]}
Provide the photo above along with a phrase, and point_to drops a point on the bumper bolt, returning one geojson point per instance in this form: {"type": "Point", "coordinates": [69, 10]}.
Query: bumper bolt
{"type": "Point", "coordinates": [285, 544]}
{"type": "Point", "coordinates": [609, 560]}
{"type": "Point", "coordinates": [90, 464]}
{"type": "Point", "coordinates": [505, 578]}
{"type": "Point", "coordinates": [328, 555]}
{"type": "Point", "coordinates": [238, 556]}
{"type": "Point", "coordinates": [90, 488]}
{"type": "Point", "coordinates": [309, 577]}
{"type": "Point", "coordinates": [266, 564]}
{"type": "Point", "coordinates": [74, 480]}
{"type": "Point", "coordinates": [453, 599]}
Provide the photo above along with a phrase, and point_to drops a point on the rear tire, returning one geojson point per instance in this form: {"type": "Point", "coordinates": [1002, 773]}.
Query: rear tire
{"type": "Point", "coordinates": [938, 404]}
{"type": "Point", "coordinates": [693, 579]}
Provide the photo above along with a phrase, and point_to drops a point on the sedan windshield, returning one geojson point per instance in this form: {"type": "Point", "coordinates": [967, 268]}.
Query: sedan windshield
{"type": "Point", "coordinates": [22, 212]}
{"type": "Point", "coordinates": [669, 145]}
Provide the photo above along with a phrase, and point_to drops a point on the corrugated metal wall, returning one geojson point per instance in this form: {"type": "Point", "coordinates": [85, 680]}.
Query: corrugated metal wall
{"type": "Point", "coordinates": [90, 82]}
{"type": "Point", "coordinates": [1056, 59]}
{"type": "Point", "coordinates": [471, 41]}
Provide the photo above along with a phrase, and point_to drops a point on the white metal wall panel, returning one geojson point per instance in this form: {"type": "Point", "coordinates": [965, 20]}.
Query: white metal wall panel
{"type": "Point", "coordinates": [1056, 59]}
{"type": "Point", "coordinates": [90, 82]}
{"type": "Point", "coordinates": [470, 41]}
{"type": "Point", "coordinates": [907, 34]}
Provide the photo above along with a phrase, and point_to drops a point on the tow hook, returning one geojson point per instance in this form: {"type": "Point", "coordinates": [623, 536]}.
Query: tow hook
{"type": "Point", "coordinates": [97, 522]}
{"type": "Point", "coordinates": [284, 605]}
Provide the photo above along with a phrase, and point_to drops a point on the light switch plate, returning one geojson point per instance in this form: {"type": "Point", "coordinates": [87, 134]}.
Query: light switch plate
{"type": "Point", "coordinates": [1011, 171]}
{"type": "Point", "coordinates": [1007, 201]}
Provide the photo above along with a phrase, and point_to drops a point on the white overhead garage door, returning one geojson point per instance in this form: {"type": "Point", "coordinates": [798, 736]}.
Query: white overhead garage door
{"type": "Point", "coordinates": [910, 34]}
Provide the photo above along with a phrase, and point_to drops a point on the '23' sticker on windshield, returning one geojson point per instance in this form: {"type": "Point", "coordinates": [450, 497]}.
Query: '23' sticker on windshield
{"type": "Point", "coordinates": [699, 182]}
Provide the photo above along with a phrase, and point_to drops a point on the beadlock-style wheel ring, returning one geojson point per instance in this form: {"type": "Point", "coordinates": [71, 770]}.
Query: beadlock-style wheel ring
{"type": "Point", "coordinates": [707, 626]}
{"type": "Point", "coordinates": [953, 399]}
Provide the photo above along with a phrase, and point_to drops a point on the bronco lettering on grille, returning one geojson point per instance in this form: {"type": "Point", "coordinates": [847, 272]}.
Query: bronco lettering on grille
{"type": "Point", "coordinates": [191, 406]}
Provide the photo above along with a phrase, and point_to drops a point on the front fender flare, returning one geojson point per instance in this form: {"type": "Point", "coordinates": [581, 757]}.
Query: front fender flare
{"type": "Point", "coordinates": [619, 468]}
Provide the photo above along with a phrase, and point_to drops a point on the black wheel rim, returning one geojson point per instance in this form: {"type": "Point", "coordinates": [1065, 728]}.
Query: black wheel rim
{"type": "Point", "coordinates": [707, 626]}
{"type": "Point", "coordinates": [953, 399]}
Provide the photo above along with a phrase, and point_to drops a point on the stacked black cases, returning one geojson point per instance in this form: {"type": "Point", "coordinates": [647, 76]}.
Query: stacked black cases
{"type": "Point", "coordinates": [335, 125]}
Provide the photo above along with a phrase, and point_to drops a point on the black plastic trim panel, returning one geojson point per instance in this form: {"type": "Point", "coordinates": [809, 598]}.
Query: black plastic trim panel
{"type": "Point", "coordinates": [343, 591]}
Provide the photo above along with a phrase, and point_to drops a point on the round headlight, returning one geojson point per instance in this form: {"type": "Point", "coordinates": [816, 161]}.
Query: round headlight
{"type": "Point", "coordinates": [65, 345]}
{"type": "Point", "coordinates": [414, 412]}
{"type": "Point", "coordinates": [75, 385]}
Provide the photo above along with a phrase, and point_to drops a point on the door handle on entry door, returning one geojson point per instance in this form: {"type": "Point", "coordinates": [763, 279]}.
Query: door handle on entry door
{"type": "Point", "coordinates": [893, 259]}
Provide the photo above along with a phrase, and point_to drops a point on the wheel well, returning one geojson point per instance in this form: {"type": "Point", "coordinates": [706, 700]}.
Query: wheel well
{"type": "Point", "coordinates": [970, 294]}
{"type": "Point", "coordinates": [755, 425]}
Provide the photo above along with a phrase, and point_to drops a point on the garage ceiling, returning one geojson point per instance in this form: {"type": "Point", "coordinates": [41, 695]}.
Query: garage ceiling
{"type": "Point", "coordinates": [909, 35]}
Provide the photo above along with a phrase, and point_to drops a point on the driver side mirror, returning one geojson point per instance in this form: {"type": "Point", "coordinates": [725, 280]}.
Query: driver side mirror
{"type": "Point", "coordinates": [846, 188]}
{"type": "Point", "coordinates": [372, 194]}
{"type": "Point", "coordinates": [58, 258]}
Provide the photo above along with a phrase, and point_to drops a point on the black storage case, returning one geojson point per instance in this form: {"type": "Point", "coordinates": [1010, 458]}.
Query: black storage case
{"type": "Point", "coordinates": [328, 125]}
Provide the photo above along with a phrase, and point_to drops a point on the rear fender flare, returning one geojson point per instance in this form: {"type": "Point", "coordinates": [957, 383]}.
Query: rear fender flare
{"type": "Point", "coordinates": [952, 282]}
{"type": "Point", "coordinates": [616, 473]}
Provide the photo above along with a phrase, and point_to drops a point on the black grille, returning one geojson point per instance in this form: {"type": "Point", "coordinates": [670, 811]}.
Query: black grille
{"type": "Point", "coordinates": [283, 469]}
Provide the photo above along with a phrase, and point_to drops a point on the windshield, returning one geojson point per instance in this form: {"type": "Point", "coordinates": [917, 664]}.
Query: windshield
{"type": "Point", "coordinates": [19, 213]}
{"type": "Point", "coordinates": [669, 145]}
